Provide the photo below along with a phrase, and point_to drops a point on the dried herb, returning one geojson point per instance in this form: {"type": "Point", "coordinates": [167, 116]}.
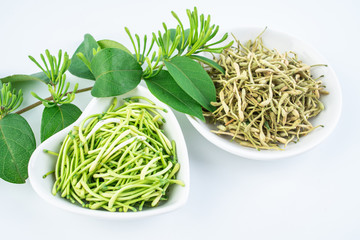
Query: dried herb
{"type": "Point", "coordinates": [265, 98]}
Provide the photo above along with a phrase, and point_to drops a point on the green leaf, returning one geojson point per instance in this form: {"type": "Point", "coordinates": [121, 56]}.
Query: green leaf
{"type": "Point", "coordinates": [193, 79]}
{"type": "Point", "coordinates": [164, 87]}
{"type": "Point", "coordinates": [57, 118]}
{"type": "Point", "coordinates": [173, 35]}
{"type": "Point", "coordinates": [40, 76]}
{"type": "Point", "coordinates": [112, 44]}
{"type": "Point", "coordinates": [77, 67]}
{"type": "Point", "coordinates": [208, 62]}
{"type": "Point", "coordinates": [17, 143]}
{"type": "Point", "coordinates": [116, 72]}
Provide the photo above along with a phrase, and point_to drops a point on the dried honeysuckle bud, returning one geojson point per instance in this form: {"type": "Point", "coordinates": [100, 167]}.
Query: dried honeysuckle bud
{"type": "Point", "coordinates": [265, 97]}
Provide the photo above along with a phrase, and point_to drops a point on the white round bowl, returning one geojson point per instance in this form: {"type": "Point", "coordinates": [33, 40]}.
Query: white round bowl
{"type": "Point", "coordinates": [41, 163]}
{"type": "Point", "coordinates": [328, 117]}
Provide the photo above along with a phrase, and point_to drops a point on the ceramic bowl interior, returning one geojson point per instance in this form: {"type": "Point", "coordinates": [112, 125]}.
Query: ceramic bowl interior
{"type": "Point", "coordinates": [332, 102]}
{"type": "Point", "coordinates": [41, 163]}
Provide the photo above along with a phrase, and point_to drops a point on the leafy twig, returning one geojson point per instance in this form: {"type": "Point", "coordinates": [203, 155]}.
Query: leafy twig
{"type": "Point", "coordinates": [170, 56]}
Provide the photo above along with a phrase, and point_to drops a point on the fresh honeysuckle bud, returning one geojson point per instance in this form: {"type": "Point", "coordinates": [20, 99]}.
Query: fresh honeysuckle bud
{"type": "Point", "coordinates": [55, 71]}
{"type": "Point", "coordinates": [10, 100]}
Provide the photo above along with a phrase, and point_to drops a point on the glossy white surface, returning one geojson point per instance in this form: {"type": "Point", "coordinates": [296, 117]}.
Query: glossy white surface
{"type": "Point", "coordinates": [312, 196]}
{"type": "Point", "coordinates": [328, 118]}
{"type": "Point", "coordinates": [41, 163]}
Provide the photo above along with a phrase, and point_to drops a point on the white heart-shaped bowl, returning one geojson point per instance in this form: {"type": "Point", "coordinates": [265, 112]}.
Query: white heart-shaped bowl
{"type": "Point", "coordinates": [41, 163]}
{"type": "Point", "coordinates": [332, 102]}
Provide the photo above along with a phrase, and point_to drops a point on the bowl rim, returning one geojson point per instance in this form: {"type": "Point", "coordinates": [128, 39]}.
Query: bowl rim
{"type": "Point", "coordinates": [180, 201]}
{"type": "Point", "coordinates": [245, 152]}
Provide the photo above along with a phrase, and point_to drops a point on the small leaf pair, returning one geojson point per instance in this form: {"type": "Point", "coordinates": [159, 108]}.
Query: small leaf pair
{"type": "Point", "coordinates": [115, 70]}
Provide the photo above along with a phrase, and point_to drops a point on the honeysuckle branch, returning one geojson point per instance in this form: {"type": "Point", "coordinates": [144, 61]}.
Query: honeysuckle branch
{"type": "Point", "coordinates": [38, 103]}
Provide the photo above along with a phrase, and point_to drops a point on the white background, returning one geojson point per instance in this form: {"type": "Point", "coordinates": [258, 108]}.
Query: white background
{"type": "Point", "coordinates": [312, 196]}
